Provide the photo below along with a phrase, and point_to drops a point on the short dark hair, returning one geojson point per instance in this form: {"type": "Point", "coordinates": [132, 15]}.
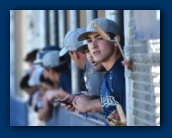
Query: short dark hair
{"type": "Point", "coordinates": [46, 80]}
{"type": "Point", "coordinates": [24, 82]}
{"type": "Point", "coordinates": [31, 56]}
{"type": "Point", "coordinates": [112, 37]}
{"type": "Point", "coordinates": [61, 68]}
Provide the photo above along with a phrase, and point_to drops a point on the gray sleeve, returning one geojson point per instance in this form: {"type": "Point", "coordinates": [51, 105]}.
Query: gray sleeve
{"type": "Point", "coordinates": [93, 80]}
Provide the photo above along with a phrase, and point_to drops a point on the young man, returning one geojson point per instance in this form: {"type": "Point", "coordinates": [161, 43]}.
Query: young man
{"type": "Point", "coordinates": [40, 54]}
{"type": "Point", "coordinates": [96, 68]}
{"type": "Point", "coordinates": [112, 90]}
{"type": "Point", "coordinates": [59, 74]}
{"type": "Point", "coordinates": [71, 44]}
{"type": "Point", "coordinates": [92, 102]}
{"type": "Point", "coordinates": [58, 70]}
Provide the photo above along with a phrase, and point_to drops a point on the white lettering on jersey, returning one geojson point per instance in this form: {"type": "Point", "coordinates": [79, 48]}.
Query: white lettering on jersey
{"type": "Point", "coordinates": [108, 101]}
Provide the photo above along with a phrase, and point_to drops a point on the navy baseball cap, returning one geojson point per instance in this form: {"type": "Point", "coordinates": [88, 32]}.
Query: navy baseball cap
{"type": "Point", "coordinates": [42, 52]}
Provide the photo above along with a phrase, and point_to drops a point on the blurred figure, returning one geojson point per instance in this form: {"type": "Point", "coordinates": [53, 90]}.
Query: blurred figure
{"type": "Point", "coordinates": [46, 83]}
{"type": "Point", "coordinates": [30, 57]}
{"type": "Point", "coordinates": [44, 109]}
{"type": "Point", "coordinates": [40, 53]}
{"type": "Point", "coordinates": [30, 90]}
{"type": "Point", "coordinates": [58, 70]}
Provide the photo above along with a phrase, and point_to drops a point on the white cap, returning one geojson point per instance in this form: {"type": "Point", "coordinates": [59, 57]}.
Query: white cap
{"type": "Point", "coordinates": [71, 40]}
{"type": "Point", "coordinates": [52, 59]}
{"type": "Point", "coordinates": [35, 76]}
{"type": "Point", "coordinates": [105, 24]}
{"type": "Point", "coordinates": [42, 52]}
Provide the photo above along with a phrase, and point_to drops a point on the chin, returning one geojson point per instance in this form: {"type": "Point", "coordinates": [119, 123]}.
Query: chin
{"type": "Point", "coordinates": [97, 59]}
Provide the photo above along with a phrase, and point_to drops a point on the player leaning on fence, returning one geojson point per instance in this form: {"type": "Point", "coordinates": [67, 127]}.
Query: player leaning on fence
{"type": "Point", "coordinates": [112, 90]}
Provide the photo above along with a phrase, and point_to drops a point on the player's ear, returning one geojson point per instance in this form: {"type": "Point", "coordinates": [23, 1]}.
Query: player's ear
{"type": "Point", "coordinates": [118, 38]}
{"type": "Point", "coordinates": [76, 54]}
{"type": "Point", "coordinates": [51, 71]}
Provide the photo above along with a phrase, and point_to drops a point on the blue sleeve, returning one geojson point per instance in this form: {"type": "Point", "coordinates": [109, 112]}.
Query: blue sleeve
{"type": "Point", "coordinates": [65, 81]}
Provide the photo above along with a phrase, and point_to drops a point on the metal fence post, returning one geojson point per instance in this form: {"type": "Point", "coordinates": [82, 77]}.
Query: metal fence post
{"type": "Point", "coordinates": [76, 75]}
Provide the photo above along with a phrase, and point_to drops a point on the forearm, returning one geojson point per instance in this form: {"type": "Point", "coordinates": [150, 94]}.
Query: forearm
{"type": "Point", "coordinates": [60, 93]}
{"type": "Point", "coordinates": [44, 115]}
{"type": "Point", "coordinates": [95, 105]}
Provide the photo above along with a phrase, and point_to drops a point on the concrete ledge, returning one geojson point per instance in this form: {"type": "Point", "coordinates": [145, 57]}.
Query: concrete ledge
{"type": "Point", "coordinates": [63, 117]}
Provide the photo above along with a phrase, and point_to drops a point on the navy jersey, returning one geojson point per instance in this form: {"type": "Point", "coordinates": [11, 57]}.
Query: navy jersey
{"type": "Point", "coordinates": [65, 80]}
{"type": "Point", "coordinates": [112, 90]}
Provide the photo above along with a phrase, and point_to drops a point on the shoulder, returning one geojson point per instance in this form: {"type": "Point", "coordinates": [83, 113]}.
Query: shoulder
{"type": "Point", "coordinates": [65, 74]}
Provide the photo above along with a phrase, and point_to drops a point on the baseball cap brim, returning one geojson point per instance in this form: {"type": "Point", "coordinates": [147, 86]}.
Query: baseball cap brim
{"type": "Point", "coordinates": [82, 48]}
{"type": "Point", "coordinates": [37, 61]}
{"type": "Point", "coordinates": [34, 79]}
{"type": "Point", "coordinates": [83, 36]}
{"type": "Point", "coordinates": [63, 51]}
{"type": "Point", "coordinates": [31, 82]}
